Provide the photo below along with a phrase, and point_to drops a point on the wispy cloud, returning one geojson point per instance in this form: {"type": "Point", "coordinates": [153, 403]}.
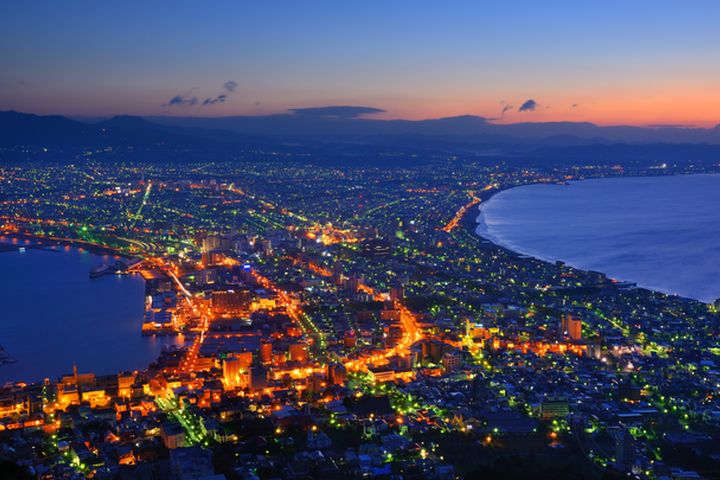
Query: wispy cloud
{"type": "Point", "coordinates": [228, 88]}
{"type": "Point", "coordinates": [219, 99]}
{"type": "Point", "coordinates": [183, 100]}
{"type": "Point", "coordinates": [336, 111]}
{"type": "Point", "coordinates": [667, 125]}
{"type": "Point", "coordinates": [188, 99]}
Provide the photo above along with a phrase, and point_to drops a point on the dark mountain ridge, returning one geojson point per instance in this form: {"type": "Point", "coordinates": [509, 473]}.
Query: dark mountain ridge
{"type": "Point", "coordinates": [356, 141]}
{"type": "Point", "coordinates": [461, 126]}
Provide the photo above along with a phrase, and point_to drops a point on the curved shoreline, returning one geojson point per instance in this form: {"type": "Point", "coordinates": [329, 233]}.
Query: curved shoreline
{"type": "Point", "coordinates": [473, 223]}
{"type": "Point", "coordinates": [111, 315]}
{"type": "Point", "coordinates": [75, 243]}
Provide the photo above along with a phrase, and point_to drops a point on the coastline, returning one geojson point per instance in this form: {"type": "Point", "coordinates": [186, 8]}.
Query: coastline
{"type": "Point", "coordinates": [46, 243]}
{"type": "Point", "coordinates": [96, 332]}
{"type": "Point", "coordinates": [470, 220]}
{"type": "Point", "coordinates": [473, 220]}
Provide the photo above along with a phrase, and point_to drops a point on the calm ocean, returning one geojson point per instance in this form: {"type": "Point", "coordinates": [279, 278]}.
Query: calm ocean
{"type": "Point", "coordinates": [661, 232]}
{"type": "Point", "coordinates": [54, 315]}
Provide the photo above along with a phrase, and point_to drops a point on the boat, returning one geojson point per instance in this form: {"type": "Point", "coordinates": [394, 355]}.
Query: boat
{"type": "Point", "coordinates": [108, 269]}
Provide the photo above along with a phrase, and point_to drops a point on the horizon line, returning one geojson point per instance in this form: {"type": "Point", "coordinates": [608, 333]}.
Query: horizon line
{"type": "Point", "coordinates": [289, 113]}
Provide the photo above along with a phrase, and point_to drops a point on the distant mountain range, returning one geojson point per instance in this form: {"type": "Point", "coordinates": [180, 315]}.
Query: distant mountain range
{"type": "Point", "coordinates": [323, 137]}
{"type": "Point", "coordinates": [61, 132]}
{"type": "Point", "coordinates": [469, 126]}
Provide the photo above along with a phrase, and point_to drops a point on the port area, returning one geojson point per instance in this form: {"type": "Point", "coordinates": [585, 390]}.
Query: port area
{"type": "Point", "coordinates": [6, 247]}
{"type": "Point", "coordinates": [118, 267]}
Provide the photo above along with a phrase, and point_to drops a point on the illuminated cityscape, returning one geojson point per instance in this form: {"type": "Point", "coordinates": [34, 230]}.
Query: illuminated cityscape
{"type": "Point", "coordinates": [352, 311]}
{"type": "Point", "coordinates": [359, 240]}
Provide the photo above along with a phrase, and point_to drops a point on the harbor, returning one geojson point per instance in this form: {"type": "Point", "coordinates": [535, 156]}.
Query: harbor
{"type": "Point", "coordinates": [56, 315]}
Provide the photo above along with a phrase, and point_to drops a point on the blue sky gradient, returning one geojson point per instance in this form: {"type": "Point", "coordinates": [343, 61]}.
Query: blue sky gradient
{"type": "Point", "coordinates": [617, 61]}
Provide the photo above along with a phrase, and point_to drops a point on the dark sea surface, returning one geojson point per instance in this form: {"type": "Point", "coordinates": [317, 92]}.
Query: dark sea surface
{"type": "Point", "coordinates": [52, 314]}
{"type": "Point", "coordinates": [661, 232]}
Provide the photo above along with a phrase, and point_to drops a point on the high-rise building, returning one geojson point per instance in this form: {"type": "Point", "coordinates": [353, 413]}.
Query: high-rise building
{"type": "Point", "coordinates": [138, 391]}
{"type": "Point", "coordinates": [315, 383]}
{"type": "Point", "coordinates": [571, 326]}
{"type": "Point", "coordinates": [298, 352]}
{"type": "Point", "coordinates": [353, 283]}
{"type": "Point", "coordinates": [245, 358]}
{"type": "Point", "coordinates": [350, 339]}
{"type": "Point", "coordinates": [435, 350]}
{"type": "Point", "coordinates": [230, 301]}
{"type": "Point", "coordinates": [401, 362]}
{"type": "Point", "coordinates": [125, 383]}
{"type": "Point", "coordinates": [595, 349]}
{"type": "Point", "coordinates": [216, 242]}
{"type": "Point", "coordinates": [397, 292]}
{"type": "Point", "coordinates": [337, 373]}
{"type": "Point", "coordinates": [232, 372]}
{"type": "Point", "coordinates": [575, 329]}
{"type": "Point", "coordinates": [210, 243]}
{"type": "Point", "coordinates": [266, 351]}
{"type": "Point", "coordinates": [258, 378]}
{"type": "Point", "coordinates": [452, 360]}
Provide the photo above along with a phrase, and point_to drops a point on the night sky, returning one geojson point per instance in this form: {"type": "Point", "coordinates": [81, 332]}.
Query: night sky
{"type": "Point", "coordinates": [631, 62]}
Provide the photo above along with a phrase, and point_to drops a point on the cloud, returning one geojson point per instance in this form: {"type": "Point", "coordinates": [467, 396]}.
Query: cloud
{"type": "Point", "coordinates": [528, 106]}
{"type": "Point", "coordinates": [505, 109]}
{"type": "Point", "coordinates": [667, 125]}
{"type": "Point", "coordinates": [189, 100]}
{"type": "Point", "coordinates": [219, 99]}
{"type": "Point", "coordinates": [336, 111]}
{"type": "Point", "coordinates": [228, 88]}
{"type": "Point", "coordinates": [181, 101]}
